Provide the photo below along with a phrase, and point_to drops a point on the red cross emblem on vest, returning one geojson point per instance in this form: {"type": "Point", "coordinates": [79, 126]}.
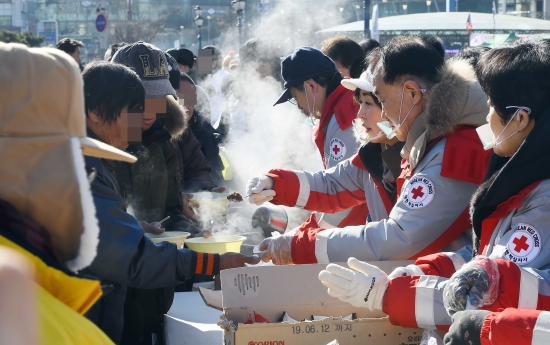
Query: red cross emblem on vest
{"type": "Point", "coordinates": [417, 192]}
{"type": "Point", "coordinates": [336, 149]}
{"type": "Point", "coordinates": [521, 244]}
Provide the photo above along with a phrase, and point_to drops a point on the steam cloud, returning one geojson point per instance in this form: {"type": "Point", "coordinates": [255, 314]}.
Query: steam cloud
{"type": "Point", "coordinates": [273, 137]}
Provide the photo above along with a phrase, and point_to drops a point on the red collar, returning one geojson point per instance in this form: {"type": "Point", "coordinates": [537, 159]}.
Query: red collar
{"type": "Point", "coordinates": [489, 224]}
{"type": "Point", "coordinates": [339, 103]}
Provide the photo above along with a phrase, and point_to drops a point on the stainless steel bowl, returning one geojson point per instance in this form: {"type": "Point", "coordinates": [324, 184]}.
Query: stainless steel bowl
{"type": "Point", "coordinates": [270, 218]}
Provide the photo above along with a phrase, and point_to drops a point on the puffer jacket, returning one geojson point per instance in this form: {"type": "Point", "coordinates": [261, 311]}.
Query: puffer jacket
{"type": "Point", "coordinates": [151, 186]}
{"type": "Point", "coordinates": [125, 257]}
{"type": "Point", "coordinates": [445, 162]}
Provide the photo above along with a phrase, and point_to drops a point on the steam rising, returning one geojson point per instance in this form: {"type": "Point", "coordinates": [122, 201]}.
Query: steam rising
{"type": "Point", "coordinates": [263, 137]}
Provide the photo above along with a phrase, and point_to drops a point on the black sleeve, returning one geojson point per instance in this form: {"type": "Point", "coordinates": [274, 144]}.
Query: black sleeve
{"type": "Point", "coordinates": [174, 202]}
{"type": "Point", "coordinates": [196, 172]}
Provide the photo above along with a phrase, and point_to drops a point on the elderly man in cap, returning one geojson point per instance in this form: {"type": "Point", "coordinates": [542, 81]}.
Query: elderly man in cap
{"type": "Point", "coordinates": [313, 83]}
{"type": "Point", "coordinates": [47, 212]}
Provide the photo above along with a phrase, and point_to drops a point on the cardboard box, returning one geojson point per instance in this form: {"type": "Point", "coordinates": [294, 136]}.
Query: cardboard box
{"type": "Point", "coordinates": [296, 289]}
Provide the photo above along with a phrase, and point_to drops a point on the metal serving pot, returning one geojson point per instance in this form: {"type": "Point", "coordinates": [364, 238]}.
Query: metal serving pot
{"type": "Point", "coordinates": [270, 218]}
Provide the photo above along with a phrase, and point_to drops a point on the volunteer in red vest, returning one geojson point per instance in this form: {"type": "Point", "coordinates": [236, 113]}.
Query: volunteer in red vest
{"type": "Point", "coordinates": [313, 83]}
{"type": "Point", "coordinates": [368, 177]}
{"type": "Point", "coordinates": [434, 108]}
{"type": "Point", "coordinates": [508, 277]}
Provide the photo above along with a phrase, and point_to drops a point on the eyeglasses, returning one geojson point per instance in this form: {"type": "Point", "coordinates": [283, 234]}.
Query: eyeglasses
{"type": "Point", "coordinates": [293, 101]}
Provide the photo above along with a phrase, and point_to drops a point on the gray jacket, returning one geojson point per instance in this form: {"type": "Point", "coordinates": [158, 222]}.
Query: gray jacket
{"type": "Point", "coordinates": [423, 219]}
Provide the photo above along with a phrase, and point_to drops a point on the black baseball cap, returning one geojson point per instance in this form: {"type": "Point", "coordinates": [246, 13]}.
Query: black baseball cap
{"type": "Point", "coordinates": [303, 64]}
{"type": "Point", "coordinates": [183, 56]}
{"type": "Point", "coordinates": [150, 64]}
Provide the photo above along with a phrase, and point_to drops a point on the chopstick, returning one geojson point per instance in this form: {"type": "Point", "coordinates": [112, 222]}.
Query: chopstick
{"type": "Point", "coordinates": [165, 219]}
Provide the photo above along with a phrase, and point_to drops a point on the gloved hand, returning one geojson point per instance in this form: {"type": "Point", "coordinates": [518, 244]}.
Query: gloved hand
{"type": "Point", "coordinates": [260, 190]}
{"type": "Point", "coordinates": [277, 249]}
{"type": "Point", "coordinates": [476, 282]}
{"type": "Point", "coordinates": [410, 270]}
{"type": "Point", "coordinates": [363, 285]}
{"type": "Point", "coordinates": [466, 328]}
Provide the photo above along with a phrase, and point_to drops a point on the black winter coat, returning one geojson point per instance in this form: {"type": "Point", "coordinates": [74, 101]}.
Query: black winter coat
{"type": "Point", "coordinates": [209, 140]}
{"type": "Point", "coordinates": [151, 186]}
{"type": "Point", "coordinates": [194, 170]}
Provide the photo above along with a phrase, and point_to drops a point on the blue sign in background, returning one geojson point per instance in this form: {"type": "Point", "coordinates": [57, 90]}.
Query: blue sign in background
{"type": "Point", "coordinates": [48, 36]}
{"type": "Point", "coordinates": [100, 23]}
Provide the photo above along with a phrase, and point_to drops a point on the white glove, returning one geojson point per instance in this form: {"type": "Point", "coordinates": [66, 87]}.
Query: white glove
{"type": "Point", "coordinates": [410, 270]}
{"type": "Point", "coordinates": [362, 286]}
{"type": "Point", "coordinates": [277, 249]}
{"type": "Point", "coordinates": [260, 190]}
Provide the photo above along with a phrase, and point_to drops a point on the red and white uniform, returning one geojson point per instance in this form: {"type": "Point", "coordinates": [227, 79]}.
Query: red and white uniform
{"type": "Point", "coordinates": [516, 326]}
{"type": "Point", "coordinates": [403, 231]}
{"type": "Point", "coordinates": [515, 236]}
{"type": "Point", "coordinates": [336, 142]}
{"type": "Point", "coordinates": [347, 185]}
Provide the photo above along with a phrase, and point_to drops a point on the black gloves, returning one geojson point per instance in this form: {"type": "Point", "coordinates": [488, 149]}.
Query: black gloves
{"type": "Point", "coordinates": [477, 281]}
{"type": "Point", "coordinates": [466, 328]}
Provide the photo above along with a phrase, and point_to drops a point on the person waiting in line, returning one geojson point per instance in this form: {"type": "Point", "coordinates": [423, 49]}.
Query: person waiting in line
{"type": "Point", "coordinates": [207, 136]}
{"type": "Point", "coordinates": [47, 215]}
{"type": "Point", "coordinates": [434, 108]}
{"type": "Point", "coordinates": [348, 56]}
{"type": "Point", "coordinates": [505, 273]}
{"type": "Point", "coordinates": [71, 47]}
{"type": "Point", "coordinates": [185, 58]}
{"type": "Point", "coordinates": [151, 186]}
{"type": "Point", "coordinates": [125, 257]}
{"type": "Point", "coordinates": [368, 177]}
{"type": "Point", "coordinates": [111, 51]}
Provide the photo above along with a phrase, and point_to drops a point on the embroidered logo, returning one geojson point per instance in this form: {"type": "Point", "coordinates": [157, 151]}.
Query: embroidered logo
{"type": "Point", "coordinates": [418, 193]}
{"type": "Point", "coordinates": [524, 245]}
{"type": "Point", "coordinates": [337, 149]}
{"type": "Point", "coordinates": [370, 289]}
{"type": "Point", "coordinates": [149, 72]}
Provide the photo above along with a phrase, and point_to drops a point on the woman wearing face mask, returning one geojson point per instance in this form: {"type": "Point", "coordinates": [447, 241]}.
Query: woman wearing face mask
{"type": "Point", "coordinates": [508, 278]}
{"type": "Point", "coordinates": [366, 178]}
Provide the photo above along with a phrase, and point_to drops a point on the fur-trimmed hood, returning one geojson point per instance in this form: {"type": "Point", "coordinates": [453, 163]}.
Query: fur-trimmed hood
{"type": "Point", "coordinates": [175, 121]}
{"type": "Point", "coordinates": [457, 99]}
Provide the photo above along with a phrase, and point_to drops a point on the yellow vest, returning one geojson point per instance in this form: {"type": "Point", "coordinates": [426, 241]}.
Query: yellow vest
{"type": "Point", "coordinates": [61, 302]}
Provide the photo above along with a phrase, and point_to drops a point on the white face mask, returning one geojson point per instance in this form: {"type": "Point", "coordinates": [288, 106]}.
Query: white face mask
{"type": "Point", "coordinates": [314, 120]}
{"type": "Point", "coordinates": [488, 138]}
{"type": "Point", "coordinates": [362, 132]}
{"type": "Point", "coordinates": [386, 126]}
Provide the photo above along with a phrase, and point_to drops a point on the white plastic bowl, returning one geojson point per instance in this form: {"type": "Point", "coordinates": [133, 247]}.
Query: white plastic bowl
{"type": "Point", "coordinates": [177, 237]}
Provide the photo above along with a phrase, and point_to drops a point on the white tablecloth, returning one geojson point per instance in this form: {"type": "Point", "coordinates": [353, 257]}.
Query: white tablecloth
{"type": "Point", "coordinates": [190, 321]}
